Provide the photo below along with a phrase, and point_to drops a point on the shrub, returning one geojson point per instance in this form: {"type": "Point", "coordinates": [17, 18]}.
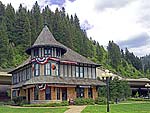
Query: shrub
{"type": "Point", "coordinates": [100, 100]}
{"type": "Point", "coordinates": [84, 101]}
{"type": "Point", "coordinates": [63, 103]}
{"type": "Point", "coordinates": [20, 100]}
{"type": "Point", "coordinates": [138, 99]}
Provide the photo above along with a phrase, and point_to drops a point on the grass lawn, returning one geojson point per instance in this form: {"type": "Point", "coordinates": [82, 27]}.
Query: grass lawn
{"type": "Point", "coordinates": [4, 109]}
{"type": "Point", "coordinates": [119, 108]}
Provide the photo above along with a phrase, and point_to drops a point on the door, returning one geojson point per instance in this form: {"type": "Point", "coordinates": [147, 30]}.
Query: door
{"type": "Point", "coordinates": [64, 93]}
{"type": "Point", "coordinates": [29, 95]}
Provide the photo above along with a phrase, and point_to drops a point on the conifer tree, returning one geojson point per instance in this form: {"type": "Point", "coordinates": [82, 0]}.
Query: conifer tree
{"type": "Point", "coordinates": [10, 22]}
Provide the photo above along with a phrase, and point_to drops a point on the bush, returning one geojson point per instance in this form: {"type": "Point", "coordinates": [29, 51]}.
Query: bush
{"type": "Point", "coordinates": [84, 101]}
{"type": "Point", "coordinates": [63, 103]}
{"type": "Point", "coordinates": [100, 100]}
{"type": "Point", "coordinates": [19, 100]}
{"type": "Point", "coordinates": [138, 99]}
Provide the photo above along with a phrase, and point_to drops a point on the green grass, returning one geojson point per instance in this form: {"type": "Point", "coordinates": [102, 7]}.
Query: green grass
{"type": "Point", "coordinates": [119, 108]}
{"type": "Point", "coordinates": [4, 109]}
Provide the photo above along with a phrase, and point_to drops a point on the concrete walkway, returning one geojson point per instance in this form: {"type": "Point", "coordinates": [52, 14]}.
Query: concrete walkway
{"type": "Point", "coordinates": [72, 109]}
{"type": "Point", "coordinates": [75, 109]}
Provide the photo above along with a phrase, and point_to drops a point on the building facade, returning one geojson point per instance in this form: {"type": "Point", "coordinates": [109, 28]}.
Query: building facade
{"type": "Point", "coordinates": [5, 83]}
{"type": "Point", "coordinates": [53, 72]}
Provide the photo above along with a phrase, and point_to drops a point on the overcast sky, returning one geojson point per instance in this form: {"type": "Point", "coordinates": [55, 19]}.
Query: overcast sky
{"type": "Point", "coordinates": [126, 22]}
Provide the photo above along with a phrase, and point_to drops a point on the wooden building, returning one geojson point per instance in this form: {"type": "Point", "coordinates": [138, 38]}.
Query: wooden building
{"type": "Point", "coordinates": [5, 83]}
{"type": "Point", "coordinates": [53, 72]}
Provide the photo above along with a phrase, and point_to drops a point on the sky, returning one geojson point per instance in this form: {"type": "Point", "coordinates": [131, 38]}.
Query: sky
{"type": "Point", "coordinates": [126, 22]}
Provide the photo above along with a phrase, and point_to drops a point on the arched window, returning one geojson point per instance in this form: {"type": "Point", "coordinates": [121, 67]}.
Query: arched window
{"type": "Point", "coordinates": [48, 93]}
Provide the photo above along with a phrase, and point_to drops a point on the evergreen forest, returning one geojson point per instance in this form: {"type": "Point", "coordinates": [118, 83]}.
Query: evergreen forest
{"type": "Point", "coordinates": [19, 29]}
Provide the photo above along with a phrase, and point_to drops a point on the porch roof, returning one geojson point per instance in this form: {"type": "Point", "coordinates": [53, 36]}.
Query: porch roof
{"type": "Point", "coordinates": [60, 80]}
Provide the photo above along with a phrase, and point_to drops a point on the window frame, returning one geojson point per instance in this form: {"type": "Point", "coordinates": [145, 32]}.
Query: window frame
{"type": "Point", "coordinates": [36, 70]}
{"type": "Point", "coordinates": [77, 71]}
{"type": "Point", "coordinates": [58, 93]}
{"type": "Point", "coordinates": [48, 94]}
{"type": "Point", "coordinates": [47, 69]}
{"type": "Point", "coordinates": [80, 91]}
{"type": "Point", "coordinates": [81, 70]}
{"type": "Point", "coordinates": [36, 52]}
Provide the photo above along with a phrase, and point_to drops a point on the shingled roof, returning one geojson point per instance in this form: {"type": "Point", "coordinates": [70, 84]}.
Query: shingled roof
{"type": "Point", "coordinates": [60, 80]}
{"type": "Point", "coordinates": [47, 39]}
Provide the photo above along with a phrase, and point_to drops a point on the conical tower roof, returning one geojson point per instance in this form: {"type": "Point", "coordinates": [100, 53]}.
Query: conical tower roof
{"type": "Point", "coordinates": [46, 39]}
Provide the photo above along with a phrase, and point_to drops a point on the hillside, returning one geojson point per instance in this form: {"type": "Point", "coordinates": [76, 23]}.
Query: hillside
{"type": "Point", "coordinates": [19, 29]}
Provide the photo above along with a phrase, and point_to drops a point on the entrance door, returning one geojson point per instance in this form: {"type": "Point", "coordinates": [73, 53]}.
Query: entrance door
{"type": "Point", "coordinates": [29, 95]}
{"type": "Point", "coordinates": [64, 93]}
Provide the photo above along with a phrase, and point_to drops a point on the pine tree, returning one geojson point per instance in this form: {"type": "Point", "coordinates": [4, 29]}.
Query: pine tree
{"type": "Point", "coordinates": [10, 22]}
{"type": "Point", "coordinates": [2, 11]}
{"type": "Point", "coordinates": [37, 21]}
{"type": "Point", "coordinates": [114, 54]}
{"type": "Point", "coordinates": [4, 43]}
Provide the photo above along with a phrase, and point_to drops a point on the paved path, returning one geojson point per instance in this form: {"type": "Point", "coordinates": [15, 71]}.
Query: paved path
{"type": "Point", "coordinates": [72, 109]}
{"type": "Point", "coordinates": [75, 109]}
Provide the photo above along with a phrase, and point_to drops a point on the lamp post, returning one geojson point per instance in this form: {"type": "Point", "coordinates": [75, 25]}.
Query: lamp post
{"type": "Point", "coordinates": [148, 86]}
{"type": "Point", "coordinates": [107, 75]}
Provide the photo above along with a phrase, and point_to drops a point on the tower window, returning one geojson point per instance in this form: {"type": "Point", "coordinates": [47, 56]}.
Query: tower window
{"type": "Point", "coordinates": [36, 52]}
{"type": "Point", "coordinates": [47, 51]}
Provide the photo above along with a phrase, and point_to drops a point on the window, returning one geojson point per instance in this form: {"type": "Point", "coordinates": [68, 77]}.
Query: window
{"type": "Point", "coordinates": [30, 72]}
{"type": "Point", "coordinates": [77, 71]}
{"type": "Point", "coordinates": [58, 53]}
{"type": "Point", "coordinates": [65, 70]}
{"type": "Point", "coordinates": [47, 51]}
{"type": "Point", "coordinates": [36, 93]}
{"type": "Point", "coordinates": [90, 95]}
{"type": "Point", "coordinates": [81, 72]}
{"type": "Point", "coordinates": [17, 77]}
{"type": "Point", "coordinates": [40, 52]}
{"type": "Point", "coordinates": [28, 75]}
{"type": "Point", "coordinates": [58, 93]}
{"type": "Point", "coordinates": [80, 92]}
{"type": "Point", "coordinates": [24, 75]}
{"type": "Point", "coordinates": [54, 52]}
{"type": "Point", "coordinates": [54, 69]}
{"type": "Point", "coordinates": [14, 78]}
{"type": "Point", "coordinates": [36, 69]}
{"type": "Point", "coordinates": [36, 52]}
{"type": "Point", "coordinates": [14, 93]}
{"type": "Point", "coordinates": [48, 93]}
{"type": "Point", "coordinates": [47, 68]}
{"type": "Point", "coordinates": [85, 72]}
{"type": "Point", "coordinates": [89, 72]}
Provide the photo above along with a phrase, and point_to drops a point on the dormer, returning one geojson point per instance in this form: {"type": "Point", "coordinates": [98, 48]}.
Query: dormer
{"type": "Point", "coordinates": [46, 46]}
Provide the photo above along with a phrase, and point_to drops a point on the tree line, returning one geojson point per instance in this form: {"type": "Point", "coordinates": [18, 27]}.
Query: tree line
{"type": "Point", "coordinates": [19, 29]}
